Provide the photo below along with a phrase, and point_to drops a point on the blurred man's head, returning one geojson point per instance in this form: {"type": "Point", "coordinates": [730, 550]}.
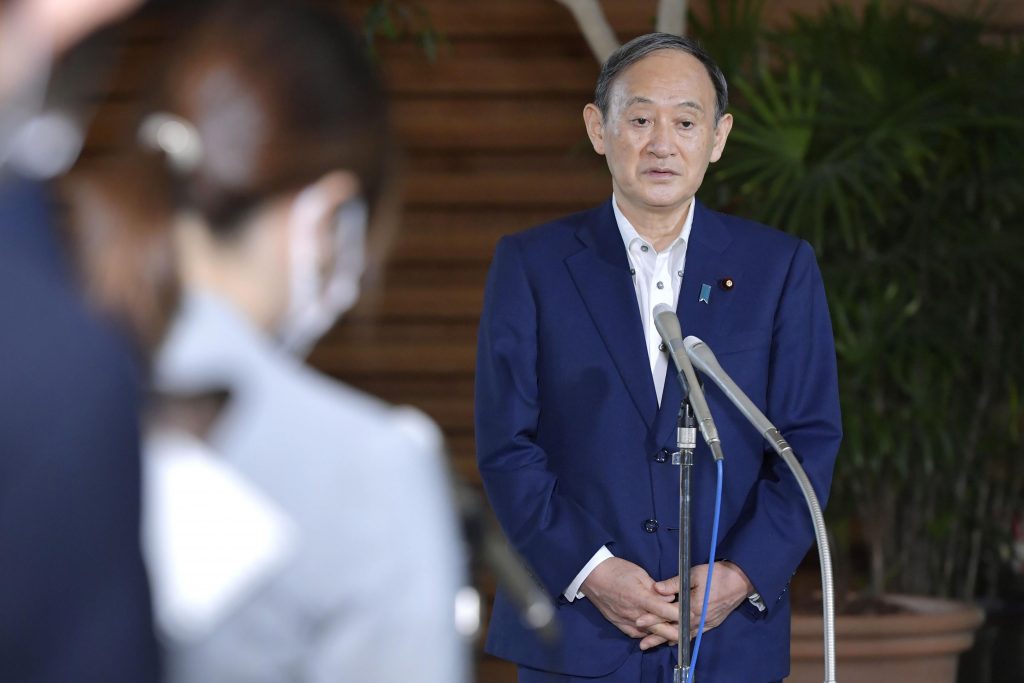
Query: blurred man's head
{"type": "Point", "coordinates": [40, 131]}
{"type": "Point", "coordinates": [35, 31]}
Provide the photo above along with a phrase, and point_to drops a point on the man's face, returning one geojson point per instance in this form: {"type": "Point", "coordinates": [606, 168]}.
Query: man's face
{"type": "Point", "coordinates": [660, 133]}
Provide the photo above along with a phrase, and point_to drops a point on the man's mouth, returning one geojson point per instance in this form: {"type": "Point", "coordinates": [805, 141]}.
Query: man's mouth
{"type": "Point", "coordinates": [660, 172]}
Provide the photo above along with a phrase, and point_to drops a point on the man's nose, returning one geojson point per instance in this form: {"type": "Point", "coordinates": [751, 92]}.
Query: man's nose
{"type": "Point", "coordinates": [659, 143]}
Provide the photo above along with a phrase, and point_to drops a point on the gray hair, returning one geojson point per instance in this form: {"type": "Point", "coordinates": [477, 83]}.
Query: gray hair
{"type": "Point", "coordinates": [638, 48]}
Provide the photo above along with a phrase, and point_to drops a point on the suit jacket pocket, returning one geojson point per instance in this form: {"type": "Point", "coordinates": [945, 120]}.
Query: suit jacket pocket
{"type": "Point", "coordinates": [741, 341]}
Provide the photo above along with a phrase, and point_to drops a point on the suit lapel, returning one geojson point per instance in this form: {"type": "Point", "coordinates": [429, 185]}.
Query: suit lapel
{"type": "Point", "coordinates": [602, 277]}
{"type": "Point", "coordinates": [706, 264]}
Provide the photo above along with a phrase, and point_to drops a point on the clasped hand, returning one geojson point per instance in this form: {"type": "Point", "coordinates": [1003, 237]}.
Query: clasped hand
{"type": "Point", "coordinates": [643, 608]}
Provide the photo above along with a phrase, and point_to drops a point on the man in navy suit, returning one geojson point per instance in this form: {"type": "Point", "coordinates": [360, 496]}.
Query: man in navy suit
{"type": "Point", "coordinates": [74, 599]}
{"type": "Point", "coordinates": [575, 419]}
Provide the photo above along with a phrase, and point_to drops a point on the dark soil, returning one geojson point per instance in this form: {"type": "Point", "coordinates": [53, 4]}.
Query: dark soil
{"type": "Point", "coordinates": [854, 605]}
{"type": "Point", "coordinates": [805, 596]}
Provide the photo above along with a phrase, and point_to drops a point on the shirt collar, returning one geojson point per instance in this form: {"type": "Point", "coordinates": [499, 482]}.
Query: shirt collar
{"type": "Point", "coordinates": [629, 233]}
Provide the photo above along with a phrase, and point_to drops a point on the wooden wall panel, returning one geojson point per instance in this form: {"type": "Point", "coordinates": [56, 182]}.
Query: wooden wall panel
{"type": "Point", "coordinates": [502, 123]}
{"type": "Point", "coordinates": [476, 70]}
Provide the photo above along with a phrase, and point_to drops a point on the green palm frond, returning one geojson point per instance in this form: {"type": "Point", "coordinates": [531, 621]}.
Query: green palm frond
{"type": "Point", "coordinates": [893, 141]}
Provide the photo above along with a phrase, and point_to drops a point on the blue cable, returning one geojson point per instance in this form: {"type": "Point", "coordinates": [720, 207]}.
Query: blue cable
{"type": "Point", "coordinates": [711, 566]}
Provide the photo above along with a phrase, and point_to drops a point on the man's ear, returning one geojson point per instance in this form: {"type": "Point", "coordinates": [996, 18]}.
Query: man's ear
{"type": "Point", "coordinates": [721, 135]}
{"type": "Point", "coordinates": [595, 126]}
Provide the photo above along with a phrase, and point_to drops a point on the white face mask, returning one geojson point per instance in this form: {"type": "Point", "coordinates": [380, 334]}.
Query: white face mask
{"type": "Point", "coordinates": [315, 302]}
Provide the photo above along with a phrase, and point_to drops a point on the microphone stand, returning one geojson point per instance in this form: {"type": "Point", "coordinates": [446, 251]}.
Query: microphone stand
{"type": "Point", "coordinates": [686, 442]}
{"type": "Point", "coordinates": [696, 408]}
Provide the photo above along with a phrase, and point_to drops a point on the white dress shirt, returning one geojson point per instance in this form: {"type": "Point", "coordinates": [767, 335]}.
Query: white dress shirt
{"type": "Point", "coordinates": [657, 279]}
{"type": "Point", "coordinates": [657, 276]}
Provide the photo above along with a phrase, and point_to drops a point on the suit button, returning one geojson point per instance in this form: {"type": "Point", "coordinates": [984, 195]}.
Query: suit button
{"type": "Point", "coordinates": [662, 455]}
{"type": "Point", "coordinates": [650, 525]}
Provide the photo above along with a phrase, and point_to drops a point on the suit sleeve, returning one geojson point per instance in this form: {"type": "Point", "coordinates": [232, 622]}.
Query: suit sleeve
{"type": "Point", "coordinates": [74, 604]}
{"type": "Point", "coordinates": [775, 530]}
{"type": "Point", "coordinates": [552, 531]}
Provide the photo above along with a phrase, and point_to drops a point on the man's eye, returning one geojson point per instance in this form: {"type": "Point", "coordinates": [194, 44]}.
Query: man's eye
{"type": "Point", "coordinates": [686, 125]}
{"type": "Point", "coordinates": [641, 121]}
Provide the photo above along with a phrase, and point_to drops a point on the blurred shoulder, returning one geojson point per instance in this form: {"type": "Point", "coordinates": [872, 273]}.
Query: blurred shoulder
{"type": "Point", "coordinates": [62, 361]}
{"type": "Point", "coordinates": [349, 416]}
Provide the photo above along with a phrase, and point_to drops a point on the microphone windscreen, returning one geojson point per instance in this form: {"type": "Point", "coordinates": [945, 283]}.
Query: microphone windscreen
{"type": "Point", "coordinates": [667, 323]}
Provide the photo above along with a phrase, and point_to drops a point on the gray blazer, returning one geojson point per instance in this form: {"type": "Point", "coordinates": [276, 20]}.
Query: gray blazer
{"type": "Point", "coordinates": [368, 595]}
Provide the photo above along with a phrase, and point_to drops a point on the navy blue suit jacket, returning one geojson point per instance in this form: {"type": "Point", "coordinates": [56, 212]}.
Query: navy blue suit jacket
{"type": "Point", "coordinates": [74, 600]}
{"type": "Point", "coordinates": [569, 429]}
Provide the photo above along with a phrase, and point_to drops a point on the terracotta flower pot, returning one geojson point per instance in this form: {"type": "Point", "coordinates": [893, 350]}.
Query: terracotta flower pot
{"type": "Point", "coordinates": [920, 645]}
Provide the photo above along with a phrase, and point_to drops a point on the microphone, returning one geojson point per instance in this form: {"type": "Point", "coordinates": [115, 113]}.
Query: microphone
{"type": "Point", "coordinates": [704, 360]}
{"type": "Point", "coordinates": [667, 323]}
{"type": "Point", "coordinates": [488, 544]}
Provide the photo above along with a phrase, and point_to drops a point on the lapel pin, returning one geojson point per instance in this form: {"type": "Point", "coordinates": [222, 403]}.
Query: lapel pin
{"type": "Point", "coordinates": [705, 294]}
{"type": "Point", "coordinates": [726, 283]}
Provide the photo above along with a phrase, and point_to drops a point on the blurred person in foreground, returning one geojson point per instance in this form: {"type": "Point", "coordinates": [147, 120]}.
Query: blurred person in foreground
{"type": "Point", "coordinates": [269, 145]}
{"type": "Point", "coordinates": [576, 408]}
{"type": "Point", "coordinates": [74, 600]}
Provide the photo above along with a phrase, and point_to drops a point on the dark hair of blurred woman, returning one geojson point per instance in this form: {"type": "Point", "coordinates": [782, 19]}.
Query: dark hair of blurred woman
{"type": "Point", "coordinates": [267, 114]}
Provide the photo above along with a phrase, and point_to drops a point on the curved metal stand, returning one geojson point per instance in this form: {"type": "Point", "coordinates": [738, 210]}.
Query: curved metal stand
{"type": "Point", "coordinates": [703, 359]}
{"type": "Point", "coordinates": [785, 452]}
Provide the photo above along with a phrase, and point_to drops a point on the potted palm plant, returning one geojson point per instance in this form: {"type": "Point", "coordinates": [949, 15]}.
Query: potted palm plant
{"type": "Point", "coordinates": [893, 140]}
